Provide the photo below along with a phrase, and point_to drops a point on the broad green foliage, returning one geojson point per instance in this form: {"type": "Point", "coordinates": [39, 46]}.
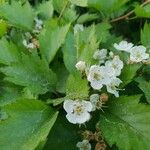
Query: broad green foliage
{"type": "Point", "coordinates": [88, 60]}
{"type": "Point", "coordinates": [126, 123]}
{"type": "Point", "coordinates": [29, 122]}
{"type": "Point", "coordinates": [8, 94]}
{"type": "Point", "coordinates": [145, 35]}
{"type": "Point", "coordinates": [3, 27]}
{"type": "Point", "coordinates": [143, 11]}
{"type": "Point", "coordinates": [67, 133]}
{"type": "Point", "coordinates": [69, 53]}
{"type": "Point", "coordinates": [145, 87]}
{"type": "Point", "coordinates": [8, 52]}
{"type": "Point", "coordinates": [45, 10]}
{"type": "Point", "coordinates": [77, 88]}
{"type": "Point", "coordinates": [31, 72]}
{"type": "Point", "coordinates": [51, 39]}
{"type": "Point", "coordinates": [128, 73]}
{"type": "Point", "coordinates": [18, 15]}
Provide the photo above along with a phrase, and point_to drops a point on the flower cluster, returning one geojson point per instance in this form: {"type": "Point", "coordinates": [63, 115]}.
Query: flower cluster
{"type": "Point", "coordinates": [104, 73]}
{"type": "Point", "coordinates": [29, 41]}
{"type": "Point", "coordinates": [137, 53]}
{"type": "Point", "coordinates": [107, 74]}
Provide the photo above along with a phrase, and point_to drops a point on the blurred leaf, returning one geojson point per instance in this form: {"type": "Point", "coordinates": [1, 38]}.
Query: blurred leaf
{"type": "Point", "coordinates": [145, 35]}
{"type": "Point", "coordinates": [8, 93]}
{"type": "Point", "coordinates": [69, 53]}
{"type": "Point", "coordinates": [64, 135]}
{"type": "Point", "coordinates": [45, 10]}
{"type": "Point", "coordinates": [82, 3]}
{"type": "Point", "coordinates": [145, 87]}
{"type": "Point", "coordinates": [18, 15]}
{"type": "Point", "coordinates": [29, 122]}
{"type": "Point", "coordinates": [77, 88]}
{"type": "Point", "coordinates": [107, 7]}
{"type": "Point", "coordinates": [126, 123]}
{"type": "Point", "coordinates": [3, 27]}
{"type": "Point", "coordinates": [87, 17]}
{"type": "Point", "coordinates": [143, 11]}
{"type": "Point", "coordinates": [8, 52]}
{"type": "Point", "coordinates": [102, 31]}
{"type": "Point", "coordinates": [86, 44]}
{"type": "Point", "coordinates": [31, 72]}
{"type": "Point", "coordinates": [128, 73]}
{"type": "Point", "coordinates": [51, 39]}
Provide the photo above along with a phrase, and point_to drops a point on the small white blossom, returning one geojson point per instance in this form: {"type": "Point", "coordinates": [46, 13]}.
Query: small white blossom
{"type": "Point", "coordinates": [38, 25]}
{"type": "Point", "coordinates": [100, 54]}
{"type": "Point", "coordinates": [123, 46]}
{"type": "Point", "coordinates": [138, 54]}
{"type": "Point", "coordinates": [78, 28]}
{"type": "Point", "coordinates": [84, 145]}
{"type": "Point", "coordinates": [116, 64]}
{"type": "Point", "coordinates": [28, 45]}
{"type": "Point", "coordinates": [77, 111]}
{"type": "Point", "coordinates": [80, 65]}
{"type": "Point", "coordinates": [96, 76]}
{"type": "Point", "coordinates": [112, 87]}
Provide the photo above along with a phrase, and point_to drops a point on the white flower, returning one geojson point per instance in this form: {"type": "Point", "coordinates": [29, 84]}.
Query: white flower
{"type": "Point", "coordinates": [100, 54]}
{"type": "Point", "coordinates": [116, 64]}
{"type": "Point", "coordinates": [77, 111]}
{"type": "Point", "coordinates": [81, 66]}
{"type": "Point", "coordinates": [38, 24]}
{"type": "Point", "coordinates": [28, 45]}
{"type": "Point", "coordinates": [138, 54]}
{"type": "Point", "coordinates": [123, 46]}
{"type": "Point", "coordinates": [96, 76]}
{"type": "Point", "coordinates": [112, 87]}
{"type": "Point", "coordinates": [84, 145]}
{"type": "Point", "coordinates": [78, 27]}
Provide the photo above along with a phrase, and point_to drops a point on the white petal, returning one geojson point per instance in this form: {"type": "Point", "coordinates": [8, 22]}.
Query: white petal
{"type": "Point", "coordinates": [68, 106]}
{"type": "Point", "coordinates": [88, 106]}
{"type": "Point", "coordinates": [96, 85]}
{"type": "Point", "coordinates": [83, 118]}
{"type": "Point", "coordinates": [72, 118]}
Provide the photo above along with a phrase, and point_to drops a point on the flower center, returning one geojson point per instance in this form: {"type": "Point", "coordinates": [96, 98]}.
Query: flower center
{"type": "Point", "coordinates": [97, 76]}
{"type": "Point", "coordinates": [78, 110]}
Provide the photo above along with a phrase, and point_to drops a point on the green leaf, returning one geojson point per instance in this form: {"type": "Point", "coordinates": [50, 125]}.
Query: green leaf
{"type": "Point", "coordinates": [29, 122]}
{"type": "Point", "coordinates": [107, 7]}
{"type": "Point", "coordinates": [3, 27]}
{"type": "Point", "coordinates": [51, 39]}
{"type": "Point", "coordinates": [45, 10]}
{"type": "Point", "coordinates": [145, 35]}
{"type": "Point", "coordinates": [145, 87]}
{"type": "Point", "coordinates": [8, 94]}
{"type": "Point", "coordinates": [82, 3]}
{"type": "Point", "coordinates": [128, 73]}
{"type": "Point", "coordinates": [77, 88]}
{"type": "Point", "coordinates": [8, 52]}
{"type": "Point", "coordinates": [69, 53]}
{"type": "Point", "coordinates": [143, 11]}
{"type": "Point", "coordinates": [21, 16]}
{"type": "Point", "coordinates": [126, 124]}
{"type": "Point", "coordinates": [31, 72]}
{"type": "Point", "coordinates": [86, 44]}
{"type": "Point", "coordinates": [102, 31]}
{"type": "Point", "coordinates": [64, 135]}
{"type": "Point", "coordinates": [87, 17]}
